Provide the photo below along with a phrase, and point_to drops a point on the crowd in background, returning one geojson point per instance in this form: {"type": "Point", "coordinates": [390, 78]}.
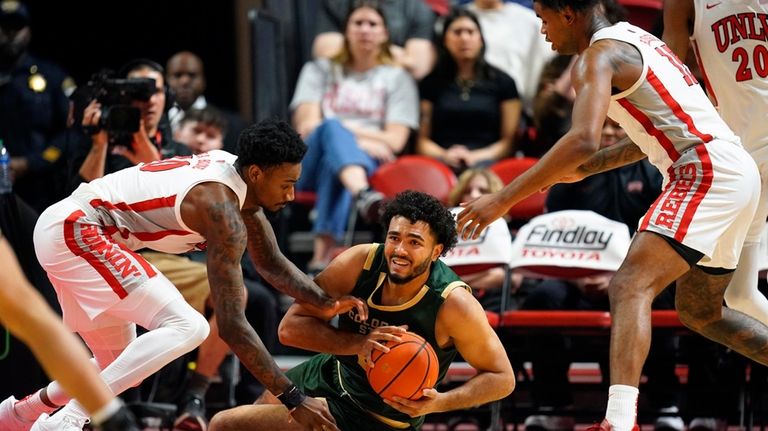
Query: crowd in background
{"type": "Point", "coordinates": [466, 83]}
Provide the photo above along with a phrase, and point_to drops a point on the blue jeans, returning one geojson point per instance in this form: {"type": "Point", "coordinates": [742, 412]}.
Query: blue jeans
{"type": "Point", "coordinates": [331, 148]}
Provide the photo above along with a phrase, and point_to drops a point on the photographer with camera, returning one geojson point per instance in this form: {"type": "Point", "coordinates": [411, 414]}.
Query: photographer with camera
{"type": "Point", "coordinates": [125, 119]}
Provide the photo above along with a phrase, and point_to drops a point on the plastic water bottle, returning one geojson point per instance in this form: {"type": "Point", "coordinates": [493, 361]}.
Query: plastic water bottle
{"type": "Point", "coordinates": [6, 185]}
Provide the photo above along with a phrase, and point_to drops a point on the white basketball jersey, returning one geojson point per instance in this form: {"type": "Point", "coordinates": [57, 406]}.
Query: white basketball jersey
{"type": "Point", "coordinates": [141, 206]}
{"type": "Point", "coordinates": [666, 111]}
{"type": "Point", "coordinates": [730, 39]}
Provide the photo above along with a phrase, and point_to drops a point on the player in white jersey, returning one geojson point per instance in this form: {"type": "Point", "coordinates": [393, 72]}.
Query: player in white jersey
{"type": "Point", "coordinates": [730, 40]}
{"type": "Point", "coordinates": [693, 233]}
{"type": "Point", "coordinates": [212, 201]}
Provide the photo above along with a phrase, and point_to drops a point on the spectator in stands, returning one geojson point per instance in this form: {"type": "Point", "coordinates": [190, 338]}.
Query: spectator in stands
{"type": "Point", "coordinates": [186, 77]}
{"type": "Point", "coordinates": [202, 130]}
{"type": "Point", "coordinates": [409, 23]}
{"type": "Point", "coordinates": [552, 105]}
{"type": "Point", "coordinates": [355, 111]}
{"type": "Point", "coordinates": [486, 284]}
{"type": "Point", "coordinates": [622, 195]}
{"type": "Point", "coordinates": [514, 43]}
{"type": "Point", "coordinates": [33, 110]}
{"type": "Point", "coordinates": [469, 109]}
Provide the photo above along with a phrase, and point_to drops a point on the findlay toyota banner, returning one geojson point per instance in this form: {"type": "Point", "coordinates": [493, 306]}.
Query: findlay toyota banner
{"type": "Point", "coordinates": [493, 246]}
{"type": "Point", "coordinates": [570, 243]}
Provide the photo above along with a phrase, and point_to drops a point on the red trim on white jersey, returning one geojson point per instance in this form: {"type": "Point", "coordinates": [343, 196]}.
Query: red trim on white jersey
{"type": "Point", "coordinates": [92, 259]}
{"type": "Point", "coordinates": [675, 106]}
{"type": "Point", "coordinates": [647, 124]}
{"type": "Point", "coordinates": [699, 194]}
{"type": "Point", "coordinates": [144, 236]}
{"type": "Point", "coordinates": [148, 205]}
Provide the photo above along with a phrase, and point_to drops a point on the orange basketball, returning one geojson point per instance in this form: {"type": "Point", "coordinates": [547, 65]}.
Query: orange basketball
{"type": "Point", "coordinates": [409, 367]}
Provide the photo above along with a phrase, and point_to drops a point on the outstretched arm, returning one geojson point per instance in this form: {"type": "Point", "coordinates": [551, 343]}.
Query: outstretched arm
{"type": "Point", "coordinates": [592, 79]}
{"type": "Point", "coordinates": [212, 209]}
{"type": "Point", "coordinates": [617, 155]}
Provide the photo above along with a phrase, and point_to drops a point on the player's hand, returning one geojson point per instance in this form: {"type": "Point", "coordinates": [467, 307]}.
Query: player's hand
{"type": "Point", "coordinates": [478, 214]}
{"type": "Point", "coordinates": [348, 302]}
{"type": "Point", "coordinates": [429, 403]}
{"type": "Point", "coordinates": [313, 414]}
{"type": "Point", "coordinates": [373, 341]}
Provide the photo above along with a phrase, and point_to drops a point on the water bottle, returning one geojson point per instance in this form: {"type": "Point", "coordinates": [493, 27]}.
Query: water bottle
{"type": "Point", "coordinates": [6, 184]}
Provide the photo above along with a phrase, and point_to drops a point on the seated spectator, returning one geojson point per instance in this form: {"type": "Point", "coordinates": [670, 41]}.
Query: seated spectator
{"type": "Point", "coordinates": [485, 284]}
{"type": "Point", "coordinates": [355, 111]}
{"type": "Point", "coordinates": [202, 130]}
{"type": "Point", "coordinates": [186, 77]}
{"type": "Point", "coordinates": [469, 109]}
{"type": "Point", "coordinates": [514, 43]}
{"type": "Point", "coordinates": [410, 24]}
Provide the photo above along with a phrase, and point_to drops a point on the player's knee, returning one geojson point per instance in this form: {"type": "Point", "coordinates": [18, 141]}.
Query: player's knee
{"type": "Point", "coordinates": [222, 422]}
{"type": "Point", "coordinates": [696, 318]}
{"type": "Point", "coordinates": [197, 330]}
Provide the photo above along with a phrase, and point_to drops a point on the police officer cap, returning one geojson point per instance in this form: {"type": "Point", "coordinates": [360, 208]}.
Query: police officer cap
{"type": "Point", "coordinates": [14, 8]}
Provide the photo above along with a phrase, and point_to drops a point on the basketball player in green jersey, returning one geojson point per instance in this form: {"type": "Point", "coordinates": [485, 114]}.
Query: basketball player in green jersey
{"type": "Point", "coordinates": [404, 285]}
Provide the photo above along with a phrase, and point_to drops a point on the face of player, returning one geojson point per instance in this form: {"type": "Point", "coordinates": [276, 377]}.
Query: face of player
{"type": "Point", "coordinates": [199, 137]}
{"type": "Point", "coordinates": [555, 27]}
{"type": "Point", "coordinates": [463, 40]}
{"type": "Point", "coordinates": [410, 249]}
{"type": "Point", "coordinates": [151, 111]}
{"type": "Point", "coordinates": [274, 186]}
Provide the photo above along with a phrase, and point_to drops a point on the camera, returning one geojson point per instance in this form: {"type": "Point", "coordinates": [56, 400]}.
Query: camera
{"type": "Point", "coordinates": [118, 117]}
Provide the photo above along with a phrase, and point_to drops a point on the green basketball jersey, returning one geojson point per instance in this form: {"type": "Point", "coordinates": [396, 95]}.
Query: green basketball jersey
{"type": "Point", "coordinates": [419, 313]}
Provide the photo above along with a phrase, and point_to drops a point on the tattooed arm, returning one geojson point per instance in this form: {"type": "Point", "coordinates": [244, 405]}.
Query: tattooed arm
{"type": "Point", "coordinates": [619, 154]}
{"type": "Point", "coordinates": [212, 210]}
{"type": "Point", "coordinates": [274, 266]}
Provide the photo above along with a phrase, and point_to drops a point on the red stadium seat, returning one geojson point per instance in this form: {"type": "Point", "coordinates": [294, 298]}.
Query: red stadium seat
{"type": "Point", "coordinates": [414, 172]}
{"type": "Point", "coordinates": [511, 168]}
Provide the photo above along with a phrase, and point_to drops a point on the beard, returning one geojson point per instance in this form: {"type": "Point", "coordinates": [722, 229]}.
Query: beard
{"type": "Point", "coordinates": [417, 271]}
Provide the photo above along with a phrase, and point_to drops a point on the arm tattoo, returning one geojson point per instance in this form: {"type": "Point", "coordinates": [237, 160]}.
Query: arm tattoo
{"type": "Point", "coordinates": [227, 240]}
{"type": "Point", "coordinates": [275, 267]}
{"type": "Point", "coordinates": [619, 154]}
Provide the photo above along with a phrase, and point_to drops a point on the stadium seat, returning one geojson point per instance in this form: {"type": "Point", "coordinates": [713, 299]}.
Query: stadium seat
{"type": "Point", "coordinates": [509, 169]}
{"type": "Point", "coordinates": [413, 172]}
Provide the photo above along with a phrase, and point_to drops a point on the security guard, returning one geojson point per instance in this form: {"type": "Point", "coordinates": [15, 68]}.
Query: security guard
{"type": "Point", "coordinates": [33, 110]}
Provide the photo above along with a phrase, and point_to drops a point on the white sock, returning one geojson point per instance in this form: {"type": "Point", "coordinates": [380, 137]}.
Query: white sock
{"type": "Point", "coordinates": [622, 407]}
{"type": "Point", "coordinates": [31, 407]}
{"type": "Point", "coordinates": [98, 417]}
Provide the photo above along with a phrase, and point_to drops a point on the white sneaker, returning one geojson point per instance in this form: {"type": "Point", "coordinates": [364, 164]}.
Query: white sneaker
{"type": "Point", "coordinates": [9, 420]}
{"type": "Point", "coordinates": [59, 422]}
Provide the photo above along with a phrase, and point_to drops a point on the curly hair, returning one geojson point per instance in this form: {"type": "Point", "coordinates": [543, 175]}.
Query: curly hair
{"type": "Point", "coordinates": [577, 5]}
{"type": "Point", "coordinates": [419, 206]}
{"type": "Point", "coordinates": [269, 143]}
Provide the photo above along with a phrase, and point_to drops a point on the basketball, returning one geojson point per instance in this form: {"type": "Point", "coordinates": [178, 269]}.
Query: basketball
{"type": "Point", "coordinates": [409, 367]}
